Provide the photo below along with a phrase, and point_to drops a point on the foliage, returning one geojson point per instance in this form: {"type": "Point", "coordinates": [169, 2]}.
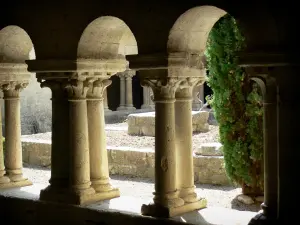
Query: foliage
{"type": "Point", "coordinates": [237, 103]}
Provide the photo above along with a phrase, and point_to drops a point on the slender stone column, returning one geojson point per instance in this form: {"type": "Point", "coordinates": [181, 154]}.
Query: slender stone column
{"type": "Point", "coordinates": [13, 147]}
{"type": "Point", "coordinates": [60, 151]}
{"type": "Point", "coordinates": [128, 77]}
{"type": "Point", "coordinates": [146, 98]}
{"type": "Point", "coordinates": [79, 140]}
{"type": "Point", "coordinates": [166, 196]}
{"type": "Point", "coordinates": [270, 205]}
{"type": "Point", "coordinates": [270, 150]}
{"type": "Point", "coordinates": [122, 92]}
{"type": "Point", "coordinates": [152, 104]}
{"type": "Point", "coordinates": [105, 100]}
{"type": "Point", "coordinates": [184, 133]}
{"type": "Point", "coordinates": [3, 179]}
{"type": "Point", "coordinates": [97, 141]}
{"type": "Point", "coordinates": [198, 97]}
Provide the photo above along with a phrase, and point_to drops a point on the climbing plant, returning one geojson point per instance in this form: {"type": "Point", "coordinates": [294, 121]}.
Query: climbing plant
{"type": "Point", "coordinates": [237, 103]}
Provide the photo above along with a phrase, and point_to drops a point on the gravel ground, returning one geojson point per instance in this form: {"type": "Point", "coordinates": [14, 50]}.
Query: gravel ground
{"type": "Point", "coordinates": [117, 136]}
{"type": "Point", "coordinates": [218, 196]}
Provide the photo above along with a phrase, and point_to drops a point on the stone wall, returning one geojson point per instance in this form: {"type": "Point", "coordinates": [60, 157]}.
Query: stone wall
{"type": "Point", "coordinates": [133, 162]}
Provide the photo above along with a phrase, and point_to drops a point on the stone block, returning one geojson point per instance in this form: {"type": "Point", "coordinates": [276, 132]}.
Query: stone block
{"type": "Point", "coordinates": [143, 124]}
{"type": "Point", "coordinates": [210, 149]}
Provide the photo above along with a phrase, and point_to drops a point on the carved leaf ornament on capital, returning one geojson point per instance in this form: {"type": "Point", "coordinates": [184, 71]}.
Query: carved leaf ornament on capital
{"type": "Point", "coordinates": [186, 87]}
{"type": "Point", "coordinates": [162, 88]}
{"type": "Point", "coordinates": [78, 89]}
{"type": "Point", "coordinates": [98, 87]}
{"type": "Point", "coordinates": [166, 88]}
{"type": "Point", "coordinates": [13, 88]}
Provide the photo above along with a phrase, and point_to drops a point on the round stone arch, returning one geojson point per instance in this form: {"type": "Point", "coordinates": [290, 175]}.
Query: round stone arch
{"type": "Point", "coordinates": [15, 45]}
{"type": "Point", "coordinates": [106, 37]}
{"type": "Point", "coordinates": [190, 31]}
{"type": "Point", "coordinates": [109, 37]}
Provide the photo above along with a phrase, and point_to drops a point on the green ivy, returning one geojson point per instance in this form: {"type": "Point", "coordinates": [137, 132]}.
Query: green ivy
{"type": "Point", "coordinates": [237, 103]}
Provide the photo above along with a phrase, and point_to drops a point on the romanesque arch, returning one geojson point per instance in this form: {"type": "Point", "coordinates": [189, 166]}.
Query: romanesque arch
{"type": "Point", "coordinates": [106, 38]}
{"type": "Point", "coordinates": [191, 29]}
{"type": "Point", "coordinates": [15, 47]}
{"type": "Point", "coordinates": [109, 37]}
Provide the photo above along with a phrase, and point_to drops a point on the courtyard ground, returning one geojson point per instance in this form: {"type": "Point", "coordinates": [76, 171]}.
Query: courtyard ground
{"type": "Point", "coordinates": [218, 196]}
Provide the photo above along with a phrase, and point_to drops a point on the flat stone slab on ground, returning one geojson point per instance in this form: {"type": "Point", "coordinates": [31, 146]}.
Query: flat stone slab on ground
{"type": "Point", "coordinates": [210, 149]}
{"type": "Point", "coordinates": [143, 124]}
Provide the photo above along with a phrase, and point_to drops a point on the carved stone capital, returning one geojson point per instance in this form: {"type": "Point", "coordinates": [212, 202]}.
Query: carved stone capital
{"type": "Point", "coordinates": [186, 87]}
{"type": "Point", "coordinates": [12, 89]}
{"type": "Point", "coordinates": [163, 89]}
{"type": "Point", "coordinates": [97, 88]}
{"type": "Point", "coordinates": [127, 74]}
{"type": "Point", "coordinates": [57, 87]}
{"type": "Point", "coordinates": [77, 89]}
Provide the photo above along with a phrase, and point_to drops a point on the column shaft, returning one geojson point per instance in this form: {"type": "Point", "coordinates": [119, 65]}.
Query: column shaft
{"type": "Point", "coordinates": [184, 134]}
{"type": "Point", "coordinates": [3, 179]}
{"type": "Point", "coordinates": [122, 93]}
{"type": "Point", "coordinates": [129, 92]}
{"type": "Point", "coordinates": [80, 160]}
{"type": "Point", "coordinates": [98, 151]}
{"type": "Point", "coordinates": [105, 101]}
{"type": "Point", "coordinates": [165, 155]}
{"type": "Point", "coordinates": [146, 100]}
{"type": "Point", "coordinates": [60, 150]}
{"type": "Point", "coordinates": [97, 142]}
{"type": "Point", "coordinates": [13, 148]}
{"type": "Point", "coordinates": [270, 153]}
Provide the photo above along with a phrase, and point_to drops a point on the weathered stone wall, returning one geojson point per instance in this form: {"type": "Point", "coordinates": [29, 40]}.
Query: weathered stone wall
{"type": "Point", "coordinates": [134, 162]}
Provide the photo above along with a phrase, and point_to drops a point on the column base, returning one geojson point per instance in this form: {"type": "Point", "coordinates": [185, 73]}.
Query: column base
{"type": "Point", "coordinates": [4, 180]}
{"type": "Point", "coordinates": [15, 184]}
{"type": "Point", "coordinates": [261, 219]}
{"type": "Point", "coordinates": [130, 108]}
{"type": "Point", "coordinates": [146, 107]}
{"type": "Point", "coordinates": [65, 195]}
{"type": "Point", "coordinates": [156, 210]}
{"type": "Point", "coordinates": [121, 108]}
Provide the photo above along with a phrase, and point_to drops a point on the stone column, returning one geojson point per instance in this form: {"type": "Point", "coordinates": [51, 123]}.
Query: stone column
{"type": "Point", "coordinates": [167, 202]}
{"type": "Point", "coordinates": [60, 151]}
{"type": "Point", "coordinates": [13, 148]}
{"type": "Point", "coordinates": [105, 100]}
{"type": "Point", "coordinates": [146, 98]}
{"type": "Point", "coordinates": [184, 134]}
{"type": "Point", "coordinates": [97, 140]}
{"type": "Point", "coordinates": [122, 92]}
{"type": "Point", "coordinates": [152, 104]}
{"type": "Point", "coordinates": [270, 205]}
{"type": "Point", "coordinates": [270, 150]}
{"type": "Point", "coordinates": [198, 97]}
{"type": "Point", "coordinates": [3, 179]}
{"type": "Point", "coordinates": [80, 183]}
{"type": "Point", "coordinates": [128, 78]}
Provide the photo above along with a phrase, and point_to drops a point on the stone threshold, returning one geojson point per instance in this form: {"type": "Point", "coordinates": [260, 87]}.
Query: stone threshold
{"type": "Point", "coordinates": [24, 203]}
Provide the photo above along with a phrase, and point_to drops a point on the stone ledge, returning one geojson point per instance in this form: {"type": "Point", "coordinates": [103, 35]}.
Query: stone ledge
{"type": "Point", "coordinates": [123, 210]}
{"type": "Point", "coordinates": [132, 162]}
